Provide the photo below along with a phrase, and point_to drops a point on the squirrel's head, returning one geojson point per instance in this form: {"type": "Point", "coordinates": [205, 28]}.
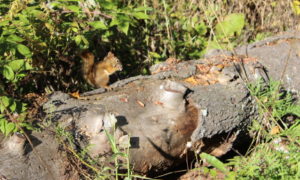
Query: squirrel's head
{"type": "Point", "coordinates": [114, 61]}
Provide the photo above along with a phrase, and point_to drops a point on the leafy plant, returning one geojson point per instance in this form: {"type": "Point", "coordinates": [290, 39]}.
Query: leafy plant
{"type": "Point", "coordinates": [227, 30]}
{"type": "Point", "coordinates": [39, 42]}
{"type": "Point", "coordinates": [276, 154]}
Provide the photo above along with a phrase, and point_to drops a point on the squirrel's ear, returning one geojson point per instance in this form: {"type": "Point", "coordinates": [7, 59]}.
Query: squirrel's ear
{"type": "Point", "coordinates": [110, 54]}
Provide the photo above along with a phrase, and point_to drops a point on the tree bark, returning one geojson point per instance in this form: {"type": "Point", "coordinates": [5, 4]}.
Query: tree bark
{"type": "Point", "coordinates": [200, 105]}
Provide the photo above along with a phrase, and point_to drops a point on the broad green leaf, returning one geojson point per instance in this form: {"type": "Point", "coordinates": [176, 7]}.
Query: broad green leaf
{"type": "Point", "coordinates": [13, 106]}
{"type": "Point", "coordinates": [68, 0]}
{"type": "Point", "coordinates": [201, 28]}
{"type": "Point", "coordinates": [17, 65]}
{"type": "Point", "coordinates": [124, 27]}
{"type": "Point", "coordinates": [28, 66]}
{"type": "Point", "coordinates": [9, 32]}
{"type": "Point", "coordinates": [3, 123]}
{"type": "Point", "coordinates": [114, 22]}
{"type": "Point", "coordinates": [4, 23]}
{"type": "Point", "coordinates": [24, 50]}
{"type": "Point", "coordinates": [49, 27]}
{"type": "Point", "coordinates": [14, 38]}
{"type": "Point", "coordinates": [8, 73]}
{"type": "Point", "coordinates": [10, 127]}
{"type": "Point", "coordinates": [21, 107]}
{"type": "Point", "coordinates": [54, 4]}
{"type": "Point", "coordinates": [74, 29]}
{"type": "Point", "coordinates": [85, 41]}
{"type": "Point", "coordinates": [154, 54]}
{"type": "Point", "coordinates": [27, 126]}
{"type": "Point", "coordinates": [77, 39]}
{"type": "Point", "coordinates": [214, 161]}
{"type": "Point", "coordinates": [140, 15]}
{"type": "Point", "coordinates": [38, 14]}
{"type": "Point", "coordinates": [98, 25]}
{"type": "Point", "coordinates": [232, 24]}
{"type": "Point", "coordinates": [23, 20]}
{"type": "Point", "coordinates": [142, 8]}
{"type": "Point", "coordinates": [20, 75]}
{"type": "Point", "coordinates": [296, 7]}
{"type": "Point", "coordinates": [73, 8]}
{"type": "Point", "coordinates": [108, 5]}
{"type": "Point", "coordinates": [4, 102]}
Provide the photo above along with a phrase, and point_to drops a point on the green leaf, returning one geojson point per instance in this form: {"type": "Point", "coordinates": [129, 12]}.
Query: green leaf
{"type": "Point", "coordinates": [10, 127]}
{"type": "Point", "coordinates": [77, 39]}
{"type": "Point", "coordinates": [28, 66]}
{"type": "Point", "coordinates": [38, 14]}
{"type": "Point", "coordinates": [73, 8]}
{"type": "Point", "coordinates": [4, 23]}
{"type": "Point", "coordinates": [142, 8]}
{"type": "Point", "coordinates": [17, 65]}
{"type": "Point", "coordinates": [14, 38]}
{"type": "Point", "coordinates": [114, 22]}
{"type": "Point", "coordinates": [214, 161]}
{"type": "Point", "coordinates": [13, 106]}
{"type": "Point", "coordinates": [154, 54]}
{"type": "Point", "coordinates": [85, 41]}
{"type": "Point", "coordinates": [233, 23]}
{"type": "Point", "coordinates": [8, 73]}
{"type": "Point", "coordinates": [140, 15]}
{"type": "Point", "coordinates": [124, 27]}
{"type": "Point", "coordinates": [5, 100]}
{"type": "Point", "coordinates": [24, 50]}
{"type": "Point", "coordinates": [108, 5]}
{"type": "Point", "coordinates": [98, 25]}
{"type": "Point", "coordinates": [3, 123]}
{"type": "Point", "coordinates": [201, 28]}
{"type": "Point", "coordinates": [23, 20]}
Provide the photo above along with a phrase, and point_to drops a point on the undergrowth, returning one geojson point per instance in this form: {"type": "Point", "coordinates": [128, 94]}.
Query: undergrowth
{"type": "Point", "coordinates": [93, 167]}
{"type": "Point", "coordinates": [274, 153]}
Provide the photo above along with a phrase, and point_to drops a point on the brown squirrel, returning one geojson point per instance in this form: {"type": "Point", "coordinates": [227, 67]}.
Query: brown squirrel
{"type": "Point", "coordinates": [97, 73]}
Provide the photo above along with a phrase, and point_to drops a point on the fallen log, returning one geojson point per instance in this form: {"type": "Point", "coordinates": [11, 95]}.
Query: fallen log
{"type": "Point", "coordinates": [201, 105]}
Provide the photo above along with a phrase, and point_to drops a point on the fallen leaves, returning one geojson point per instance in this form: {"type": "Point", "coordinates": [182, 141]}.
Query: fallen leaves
{"type": "Point", "coordinates": [75, 95]}
{"type": "Point", "coordinates": [140, 103]}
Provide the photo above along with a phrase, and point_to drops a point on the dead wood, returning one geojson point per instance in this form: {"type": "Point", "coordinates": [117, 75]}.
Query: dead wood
{"type": "Point", "coordinates": [200, 105]}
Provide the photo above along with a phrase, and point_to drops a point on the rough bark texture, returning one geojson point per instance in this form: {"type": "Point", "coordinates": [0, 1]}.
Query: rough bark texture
{"type": "Point", "coordinates": [201, 105]}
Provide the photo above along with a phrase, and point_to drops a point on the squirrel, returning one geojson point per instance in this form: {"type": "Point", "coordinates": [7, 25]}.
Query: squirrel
{"type": "Point", "coordinates": [97, 73]}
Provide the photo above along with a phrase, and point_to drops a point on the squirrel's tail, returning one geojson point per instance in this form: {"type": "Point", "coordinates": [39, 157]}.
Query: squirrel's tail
{"type": "Point", "coordinates": [87, 63]}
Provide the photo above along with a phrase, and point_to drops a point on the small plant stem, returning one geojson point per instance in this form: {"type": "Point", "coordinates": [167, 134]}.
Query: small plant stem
{"type": "Point", "coordinates": [168, 26]}
{"type": "Point", "coordinates": [80, 159]}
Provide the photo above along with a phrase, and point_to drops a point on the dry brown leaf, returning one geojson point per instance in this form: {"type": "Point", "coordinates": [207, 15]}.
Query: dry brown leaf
{"type": "Point", "coordinates": [203, 68]}
{"type": "Point", "coordinates": [275, 130]}
{"type": "Point", "coordinates": [140, 103]}
{"type": "Point", "coordinates": [75, 94]}
{"type": "Point", "coordinates": [191, 80]}
{"type": "Point", "coordinates": [158, 103]}
{"type": "Point", "coordinates": [124, 99]}
{"type": "Point", "coordinates": [172, 60]}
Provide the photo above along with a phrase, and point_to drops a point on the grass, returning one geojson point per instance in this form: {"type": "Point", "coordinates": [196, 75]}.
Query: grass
{"type": "Point", "coordinates": [90, 168]}
{"type": "Point", "coordinates": [275, 150]}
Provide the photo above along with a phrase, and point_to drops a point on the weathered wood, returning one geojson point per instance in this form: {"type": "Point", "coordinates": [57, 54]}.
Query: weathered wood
{"type": "Point", "coordinates": [200, 105]}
